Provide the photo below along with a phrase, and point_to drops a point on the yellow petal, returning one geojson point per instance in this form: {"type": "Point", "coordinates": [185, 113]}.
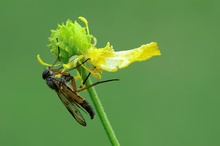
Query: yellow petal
{"type": "Point", "coordinates": [41, 61]}
{"type": "Point", "coordinates": [85, 22]}
{"type": "Point", "coordinates": [107, 59]}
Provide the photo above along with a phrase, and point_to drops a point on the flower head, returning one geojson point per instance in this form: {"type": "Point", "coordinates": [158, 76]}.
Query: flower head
{"type": "Point", "coordinates": [72, 38]}
{"type": "Point", "coordinates": [76, 45]}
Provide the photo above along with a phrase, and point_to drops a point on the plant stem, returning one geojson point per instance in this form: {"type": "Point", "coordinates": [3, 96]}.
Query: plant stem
{"type": "Point", "coordinates": [100, 110]}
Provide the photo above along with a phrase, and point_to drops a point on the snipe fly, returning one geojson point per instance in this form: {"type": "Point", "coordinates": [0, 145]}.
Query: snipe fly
{"type": "Point", "coordinates": [67, 92]}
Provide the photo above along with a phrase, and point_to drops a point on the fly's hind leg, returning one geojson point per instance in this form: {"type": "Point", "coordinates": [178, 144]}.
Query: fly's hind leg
{"type": "Point", "coordinates": [96, 83]}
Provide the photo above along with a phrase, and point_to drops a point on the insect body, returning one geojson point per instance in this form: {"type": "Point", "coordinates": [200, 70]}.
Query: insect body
{"type": "Point", "coordinates": [69, 97]}
{"type": "Point", "coordinates": [67, 92]}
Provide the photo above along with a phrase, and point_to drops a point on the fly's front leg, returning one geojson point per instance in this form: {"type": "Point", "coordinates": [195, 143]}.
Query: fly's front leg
{"type": "Point", "coordinates": [59, 71]}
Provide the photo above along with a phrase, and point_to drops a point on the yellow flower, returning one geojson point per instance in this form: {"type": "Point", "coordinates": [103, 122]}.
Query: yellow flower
{"type": "Point", "coordinates": [109, 60]}
{"type": "Point", "coordinates": [77, 45]}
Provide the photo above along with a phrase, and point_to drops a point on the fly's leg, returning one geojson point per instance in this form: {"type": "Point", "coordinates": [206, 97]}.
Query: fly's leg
{"type": "Point", "coordinates": [81, 88]}
{"type": "Point", "coordinates": [77, 65]}
{"type": "Point", "coordinates": [96, 83]}
{"type": "Point", "coordinates": [58, 57]}
{"type": "Point", "coordinates": [60, 72]}
{"type": "Point", "coordinates": [73, 84]}
{"type": "Point", "coordinates": [86, 79]}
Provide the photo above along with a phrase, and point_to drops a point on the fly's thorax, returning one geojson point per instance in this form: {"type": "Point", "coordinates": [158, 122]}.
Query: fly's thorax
{"type": "Point", "coordinates": [53, 83]}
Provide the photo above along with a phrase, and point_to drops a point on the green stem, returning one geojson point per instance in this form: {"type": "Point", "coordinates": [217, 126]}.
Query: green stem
{"type": "Point", "coordinates": [100, 110]}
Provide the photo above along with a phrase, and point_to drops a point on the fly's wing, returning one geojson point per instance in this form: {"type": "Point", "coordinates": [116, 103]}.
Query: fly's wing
{"type": "Point", "coordinates": [72, 108]}
{"type": "Point", "coordinates": [77, 99]}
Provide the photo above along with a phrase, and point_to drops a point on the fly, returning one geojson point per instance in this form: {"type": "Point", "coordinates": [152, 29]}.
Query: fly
{"type": "Point", "coordinates": [68, 93]}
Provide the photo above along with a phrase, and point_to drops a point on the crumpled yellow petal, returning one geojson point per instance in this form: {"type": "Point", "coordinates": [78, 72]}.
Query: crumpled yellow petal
{"type": "Point", "coordinates": [108, 60]}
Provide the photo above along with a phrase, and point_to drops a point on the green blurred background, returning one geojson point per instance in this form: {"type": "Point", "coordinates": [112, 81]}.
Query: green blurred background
{"type": "Point", "coordinates": [171, 100]}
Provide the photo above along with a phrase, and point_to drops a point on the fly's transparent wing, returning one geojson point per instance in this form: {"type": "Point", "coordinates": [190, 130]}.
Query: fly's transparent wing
{"type": "Point", "coordinates": [72, 108]}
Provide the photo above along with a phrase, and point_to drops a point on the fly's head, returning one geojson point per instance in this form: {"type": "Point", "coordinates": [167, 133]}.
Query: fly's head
{"type": "Point", "coordinates": [50, 79]}
{"type": "Point", "coordinates": [46, 73]}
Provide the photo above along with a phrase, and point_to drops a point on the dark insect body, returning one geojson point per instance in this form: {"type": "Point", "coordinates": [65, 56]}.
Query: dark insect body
{"type": "Point", "coordinates": [68, 93]}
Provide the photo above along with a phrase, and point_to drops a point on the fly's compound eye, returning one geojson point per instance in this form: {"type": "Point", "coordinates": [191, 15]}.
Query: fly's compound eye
{"type": "Point", "coordinates": [46, 74]}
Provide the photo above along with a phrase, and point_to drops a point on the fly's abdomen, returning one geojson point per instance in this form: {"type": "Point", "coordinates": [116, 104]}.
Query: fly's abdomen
{"type": "Point", "coordinates": [88, 108]}
{"type": "Point", "coordinates": [73, 96]}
